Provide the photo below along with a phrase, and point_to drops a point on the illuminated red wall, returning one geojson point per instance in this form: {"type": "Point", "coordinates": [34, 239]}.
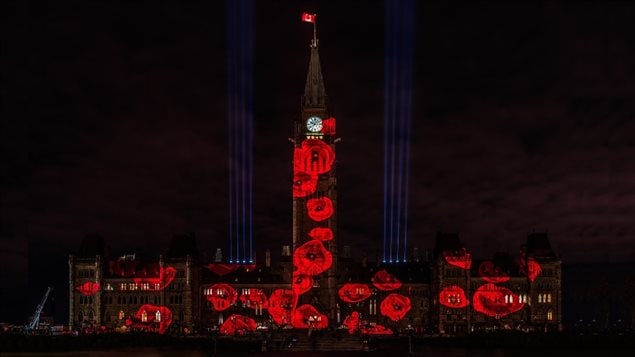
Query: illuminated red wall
{"type": "Point", "coordinates": [495, 301]}
{"type": "Point", "coordinates": [385, 281]}
{"type": "Point", "coordinates": [237, 324]}
{"type": "Point", "coordinates": [375, 330]}
{"type": "Point", "coordinates": [254, 298]}
{"type": "Point", "coordinates": [395, 306]}
{"type": "Point", "coordinates": [163, 278]}
{"type": "Point", "coordinates": [529, 266]}
{"type": "Point", "coordinates": [461, 259]}
{"type": "Point", "coordinates": [282, 302]}
{"type": "Point", "coordinates": [151, 310]}
{"type": "Point", "coordinates": [328, 126]}
{"type": "Point", "coordinates": [222, 268]}
{"type": "Point", "coordinates": [88, 288]}
{"type": "Point", "coordinates": [307, 316]}
{"type": "Point", "coordinates": [453, 297]}
{"type": "Point", "coordinates": [354, 293]}
{"type": "Point", "coordinates": [304, 183]}
{"type": "Point", "coordinates": [302, 282]}
{"type": "Point", "coordinates": [491, 273]}
{"type": "Point", "coordinates": [312, 258]}
{"type": "Point", "coordinates": [322, 234]}
{"type": "Point", "coordinates": [313, 157]}
{"type": "Point", "coordinates": [352, 322]}
{"type": "Point", "coordinates": [320, 209]}
{"type": "Point", "coordinates": [222, 296]}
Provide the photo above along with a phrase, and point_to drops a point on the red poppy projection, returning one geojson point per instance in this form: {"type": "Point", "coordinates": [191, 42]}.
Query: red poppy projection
{"type": "Point", "coordinates": [453, 297]}
{"type": "Point", "coordinates": [312, 258]}
{"type": "Point", "coordinates": [222, 268]}
{"type": "Point", "coordinates": [320, 209]}
{"type": "Point", "coordinates": [375, 330]}
{"type": "Point", "coordinates": [328, 126]}
{"type": "Point", "coordinates": [282, 302]}
{"type": "Point", "coordinates": [322, 234]}
{"type": "Point", "coordinates": [492, 273]}
{"type": "Point", "coordinates": [461, 259]}
{"type": "Point", "coordinates": [222, 296]}
{"type": "Point", "coordinates": [395, 306]}
{"type": "Point", "coordinates": [307, 316]}
{"type": "Point", "coordinates": [352, 322]}
{"type": "Point", "coordinates": [254, 298]}
{"type": "Point", "coordinates": [302, 282]}
{"type": "Point", "coordinates": [304, 183]}
{"type": "Point", "coordinates": [530, 267]}
{"type": "Point", "coordinates": [164, 278]}
{"type": "Point", "coordinates": [88, 288]}
{"type": "Point", "coordinates": [155, 314]}
{"type": "Point", "coordinates": [314, 157]}
{"type": "Point", "coordinates": [353, 293]}
{"type": "Point", "coordinates": [385, 281]}
{"type": "Point", "coordinates": [237, 324]}
{"type": "Point", "coordinates": [495, 301]}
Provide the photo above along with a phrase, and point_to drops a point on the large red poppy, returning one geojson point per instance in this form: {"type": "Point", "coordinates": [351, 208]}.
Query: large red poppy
{"type": "Point", "coordinates": [314, 156]}
{"type": "Point", "coordinates": [328, 126]}
{"type": "Point", "coordinates": [385, 281]}
{"type": "Point", "coordinates": [529, 266]}
{"type": "Point", "coordinates": [254, 298]}
{"type": "Point", "coordinates": [304, 184]}
{"type": "Point", "coordinates": [307, 316]}
{"type": "Point", "coordinates": [320, 209]}
{"type": "Point", "coordinates": [157, 281]}
{"type": "Point", "coordinates": [237, 324]}
{"type": "Point", "coordinates": [323, 234]}
{"type": "Point", "coordinates": [222, 268]}
{"type": "Point", "coordinates": [395, 306]}
{"type": "Point", "coordinates": [375, 330]}
{"type": "Point", "coordinates": [312, 258]}
{"type": "Point", "coordinates": [302, 282]}
{"type": "Point", "coordinates": [352, 322]}
{"type": "Point", "coordinates": [164, 316]}
{"type": "Point", "coordinates": [461, 258]}
{"type": "Point", "coordinates": [222, 296]}
{"type": "Point", "coordinates": [282, 302]}
{"type": "Point", "coordinates": [88, 288]}
{"type": "Point", "coordinates": [453, 297]}
{"type": "Point", "coordinates": [353, 293]}
{"type": "Point", "coordinates": [496, 301]}
{"type": "Point", "coordinates": [492, 273]}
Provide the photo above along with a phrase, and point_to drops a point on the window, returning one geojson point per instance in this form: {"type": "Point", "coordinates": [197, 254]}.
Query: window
{"type": "Point", "coordinates": [549, 298]}
{"type": "Point", "coordinates": [550, 315]}
{"type": "Point", "coordinates": [540, 298]}
{"type": "Point", "coordinates": [144, 316]}
{"type": "Point", "coordinates": [157, 316]}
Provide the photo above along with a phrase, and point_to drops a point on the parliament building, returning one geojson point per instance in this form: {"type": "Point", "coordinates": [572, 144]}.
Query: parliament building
{"type": "Point", "coordinates": [316, 283]}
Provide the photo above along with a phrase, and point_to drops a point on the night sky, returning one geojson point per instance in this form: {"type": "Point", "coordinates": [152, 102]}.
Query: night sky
{"type": "Point", "coordinates": [113, 122]}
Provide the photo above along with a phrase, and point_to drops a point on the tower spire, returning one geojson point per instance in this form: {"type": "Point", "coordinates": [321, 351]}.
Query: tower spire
{"type": "Point", "coordinates": [314, 89]}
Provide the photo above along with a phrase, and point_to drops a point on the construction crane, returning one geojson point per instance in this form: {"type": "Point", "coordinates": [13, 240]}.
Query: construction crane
{"type": "Point", "coordinates": [35, 320]}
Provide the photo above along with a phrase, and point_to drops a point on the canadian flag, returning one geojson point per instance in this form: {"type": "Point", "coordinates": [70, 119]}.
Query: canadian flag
{"type": "Point", "coordinates": [306, 17]}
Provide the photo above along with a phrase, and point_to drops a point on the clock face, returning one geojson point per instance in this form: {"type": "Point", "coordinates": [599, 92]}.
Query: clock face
{"type": "Point", "coordinates": [314, 124]}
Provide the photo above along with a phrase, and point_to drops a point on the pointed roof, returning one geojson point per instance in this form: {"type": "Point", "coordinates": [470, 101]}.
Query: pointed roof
{"type": "Point", "coordinates": [314, 90]}
{"type": "Point", "coordinates": [538, 246]}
